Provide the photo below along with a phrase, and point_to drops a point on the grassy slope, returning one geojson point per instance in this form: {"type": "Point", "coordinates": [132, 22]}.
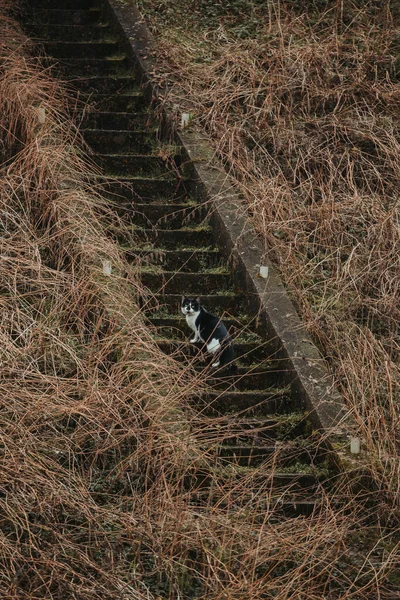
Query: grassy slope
{"type": "Point", "coordinates": [94, 444]}
{"type": "Point", "coordinates": [301, 102]}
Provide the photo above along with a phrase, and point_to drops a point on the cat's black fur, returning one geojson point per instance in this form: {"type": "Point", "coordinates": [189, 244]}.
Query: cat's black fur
{"type": "Point", "coordinates": [210, 330]}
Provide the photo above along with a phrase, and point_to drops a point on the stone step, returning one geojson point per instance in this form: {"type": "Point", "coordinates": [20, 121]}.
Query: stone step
{"type": "Point", "coordinates": [120, 94]}
{"type": "Point", "coordinates": [73, 68]}
{"type": "Point", "coordinates": [140, 142]}
{"type": "Point", "coordinates": [143, 189]}
{"type": "Point", "coordinates": [268, 401]}
{"type": "Point", "coordinates": [40, 32]}
{"type": "Point", "coordinates": [103, 121]}
{"type": "Point", "coordinates": [62, 16]}
{"type": "Point", "coordinates": [283, 483]}
{"type": "Point", "coordinates": [281, 455]}
{"type": "Point", "coordinates": [136, 164]}
{"type": "Point", "coordinates": [278, 506]}
{"type": "Point", "coordinates": [69, 4]}
{"type": "Point", "coordinates": [256, 430]}
{"type": "Point", "coordinates": [86, 49]}
{"type": "Point", "coordinates": [182, 260]}
{"type": "Point", "coordinates": [171, 282]}
{"type": "Point", "coordinates": [269, 373]}
{"type": "Point", "coordinates": [185, 238]}
{"type": "Point", "coordinates": [246, 353]}
{"type": "Point", "coordinates": [169, 216]}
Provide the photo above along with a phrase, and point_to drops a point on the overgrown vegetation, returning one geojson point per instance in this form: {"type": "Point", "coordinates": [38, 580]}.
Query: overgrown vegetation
{"type": "Point", "coordinates": [301, 102]}
{"type": "Point", "coordinates": [96, 449]}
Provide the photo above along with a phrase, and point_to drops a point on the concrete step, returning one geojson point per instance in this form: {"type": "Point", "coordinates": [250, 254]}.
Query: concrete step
{"type": "Point", "coordinates": [268, 401]}
{"type": "Point", "coordinates": [112, 66]}
{"type": "Point", "coordinates": [170, 188]}
{"type": "Point", "coordinates": [69, 4]}
{"type": "Point", "coordinates": [280, 455]}
{"type": "Point", "coordinates": [62, 16]}
{"type": "Point", "coordinates": [184, 238]}
{"type": "Point", "coordinates": [97, 32]}
{"type": "Point", "coordinates": [115, 141]}
{"type": "Point", "coordinates": [169, 216]}
{"type": "Point", "coordinates": [86, 49]}
{"type": "Point", "coordinates": [269, 374]}
{"type": "Point", "coordinates": [255, 430]}
{"type": "Point", "coordinates": [171, 282]}
{"type": "Point", "coordinates": [140, 165]}
{"type": "Point", "coordinates": [103, 121]}
{"type": "Point", "coordinates": [120, 94]}
{"type": "Point", "coordinates": [182, 260]}
{"type": "Point", "coordinates": [283, 483]}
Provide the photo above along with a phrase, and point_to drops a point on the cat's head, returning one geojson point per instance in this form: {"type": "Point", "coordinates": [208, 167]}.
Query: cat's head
{"type": "Point", "coordinates": [189, 306]}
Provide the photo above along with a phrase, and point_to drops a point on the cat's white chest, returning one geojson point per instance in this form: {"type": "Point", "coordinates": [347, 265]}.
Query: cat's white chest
{"type": "Point", "coordinates": [191, 321]}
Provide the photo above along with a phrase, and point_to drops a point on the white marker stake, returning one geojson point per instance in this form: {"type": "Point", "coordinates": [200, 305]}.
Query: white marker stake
{"type": "Point", "coordinates": [264, 272]}
{"type": "Point", "coordinates": [355, 445]}
{"type": "Point", "coordinates": [107, 267]}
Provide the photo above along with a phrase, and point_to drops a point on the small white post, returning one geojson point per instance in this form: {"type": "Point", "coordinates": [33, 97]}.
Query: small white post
{"type": "Point", "coordinates": [107, 267]}
{"type": "Point", "coordinates": [355, 445]}
{"type": "Point", "coordinates": [264, 272]}
{"type": "Point", "coordinates": [185, 118]}
{"type": "Point", "coordinates": [41, 113]}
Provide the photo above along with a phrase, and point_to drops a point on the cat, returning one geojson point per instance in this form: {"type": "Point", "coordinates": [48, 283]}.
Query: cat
{"type": "Point", "coordinates": [210, 330]}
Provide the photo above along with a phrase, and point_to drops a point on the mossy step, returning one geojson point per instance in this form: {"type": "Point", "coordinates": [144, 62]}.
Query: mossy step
{"type": "Point", "coordinates": [139, 165]}
{"type": "Point", "coordinates": [140, 142]}
{"type": "Point", "coordinates": [245, 352]}
{"type": "Point", "coordinates": [255, 430]}
{"type": "Point", "coordinates": [228, 302]}
{"type": "Point", "coordinates": [277, 506]}
{"type": "Point", "coordinates": [86, 49]}
{"type": "Point", "coordinates": [61, 16]}
{"type": "Point", "coordinates": [69, 33]}
{"type": "Point", "coordinates": [114, 99]}
{"type": "Point", "coordinates": [175, 238]}
{"type": "Point", "coordinates": [168, 188]}
{"type": "Point", "coordinates": [283, 455]}
{"type": "Point", "coordinates": [169, 216]}
{"type": "Point", "coordinates": [123, 121]}
{"type": "Point", "coordinates": [267, 401]}
{"type": "Point", "coordinates": [117, 66]}
{"type": "Point", "coordinates": [119, 93]}
{"type": "Point", "coordinates": [189, 283]}
{"type": "Point", "coordinates": [69, 4]}
{"type": "Point", "coordinates": [182, 260]}
{"type": "Point", "coordinates": [273, 374]}
{"type": "Point", "coordinates": [283, 483]}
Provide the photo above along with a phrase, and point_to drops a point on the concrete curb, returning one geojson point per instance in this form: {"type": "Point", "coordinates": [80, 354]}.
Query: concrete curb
{"type": "Point", "coordinates": [307, 371]}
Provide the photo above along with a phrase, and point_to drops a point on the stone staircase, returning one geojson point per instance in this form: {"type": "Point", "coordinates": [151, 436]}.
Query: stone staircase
{"type": "Point", "coordinates": [252, 418]}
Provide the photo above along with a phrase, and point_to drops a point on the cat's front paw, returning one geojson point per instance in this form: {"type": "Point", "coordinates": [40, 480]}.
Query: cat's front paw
{"type": "Point", "coordinates": [193, 340]}
{"type": "Point", "coordinates": [216, 364]}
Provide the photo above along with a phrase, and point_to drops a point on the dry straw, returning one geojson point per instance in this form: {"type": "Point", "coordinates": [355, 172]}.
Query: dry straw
{"type": "Point", "coordinates": [98, 440]}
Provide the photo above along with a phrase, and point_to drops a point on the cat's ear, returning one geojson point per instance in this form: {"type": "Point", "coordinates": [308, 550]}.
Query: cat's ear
{"type": "Point", "coordinates": [198, 299]}
{"type": "Point", "coordinates": [183, 298]}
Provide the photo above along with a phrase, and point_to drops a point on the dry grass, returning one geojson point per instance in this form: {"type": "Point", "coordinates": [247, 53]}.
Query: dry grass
{"type": "Point", "coordinates": [301, 102]}
{"type": "Point", "coordinates": [96, 448]}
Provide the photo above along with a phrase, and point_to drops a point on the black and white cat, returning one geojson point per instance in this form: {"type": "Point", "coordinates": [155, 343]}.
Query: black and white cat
{"type": "Point", "coordinates": [210, 330]}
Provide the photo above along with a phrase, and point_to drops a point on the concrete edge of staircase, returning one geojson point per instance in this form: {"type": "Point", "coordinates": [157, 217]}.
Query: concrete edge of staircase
{"type": "Point", "coordinates": [310, 379]}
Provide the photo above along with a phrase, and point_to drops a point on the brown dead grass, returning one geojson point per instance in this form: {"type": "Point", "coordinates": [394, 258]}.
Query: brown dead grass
{"type": "Point", "coordinates": [301, 104]}
{"type": "Point", "coordinates": [95, 445]}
